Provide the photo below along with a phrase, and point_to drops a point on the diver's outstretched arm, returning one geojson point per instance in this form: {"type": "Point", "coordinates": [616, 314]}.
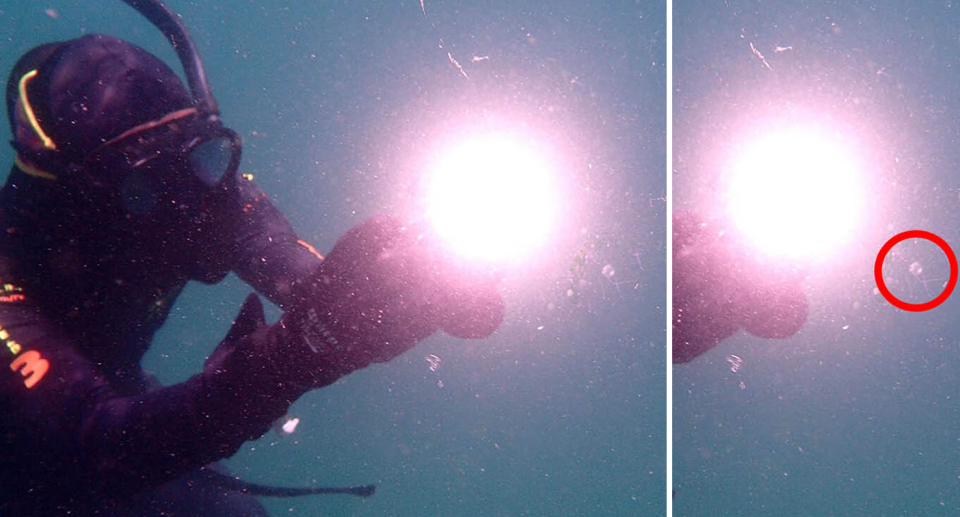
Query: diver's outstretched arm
{"type": "Point", "coordinates": [267, 254]}
{"type": "Point", "coordinates": [375, 296]}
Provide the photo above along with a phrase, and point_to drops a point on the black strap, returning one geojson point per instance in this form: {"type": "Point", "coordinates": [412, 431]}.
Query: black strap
{"type": "Point", "coordinates": [244, 487]}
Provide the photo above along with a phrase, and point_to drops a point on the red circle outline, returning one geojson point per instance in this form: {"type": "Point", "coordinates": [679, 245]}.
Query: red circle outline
{"type": "Point", "coordinates": [915, 234]}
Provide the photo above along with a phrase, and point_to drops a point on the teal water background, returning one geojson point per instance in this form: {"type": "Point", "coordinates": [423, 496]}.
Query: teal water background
{"type": "Point", "coordinates": [857, 414]}
{"type": "Point", "coordinates": [562, 411]}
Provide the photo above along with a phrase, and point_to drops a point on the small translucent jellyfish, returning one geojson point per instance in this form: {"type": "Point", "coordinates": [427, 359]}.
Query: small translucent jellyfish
{"type": "Point", "coordinates": [735, 363]}
{"type": "Point", "coordinates": [434, 362]}
{"type": "Point", "coordinates": [916, 269]}
{"type": "Point", "coordinates": [608, 271]}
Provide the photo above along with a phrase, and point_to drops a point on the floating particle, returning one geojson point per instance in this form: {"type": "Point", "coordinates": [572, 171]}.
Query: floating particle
{"type": "Point", "coordinates": [285, 426]}
{"type": "Point", "coordinates": [735, 363]}
{"type": "Point", "coordinates": [434, 362]}
{"type": "Point", "coordinates": [290, 425]}
{"type": "Point", "coordinates": [757, 53]}
{"type": "Point", "coordinates": [456, 63]}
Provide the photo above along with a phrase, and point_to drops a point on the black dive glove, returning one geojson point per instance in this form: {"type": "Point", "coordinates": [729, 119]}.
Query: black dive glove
{"type": "Point", "coordinates": [378, 292]}
{"type": "Point", "coordinates": [719, 289]}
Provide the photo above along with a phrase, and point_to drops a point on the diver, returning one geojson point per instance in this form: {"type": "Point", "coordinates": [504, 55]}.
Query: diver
{"type": "Point", "coordinates": [124, 188]}
{"type": "Point", "coordinates": [719, 290]}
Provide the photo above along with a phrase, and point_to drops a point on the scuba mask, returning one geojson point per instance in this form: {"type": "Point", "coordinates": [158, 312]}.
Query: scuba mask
{"type": "Point", "coordinates": [189, 150]}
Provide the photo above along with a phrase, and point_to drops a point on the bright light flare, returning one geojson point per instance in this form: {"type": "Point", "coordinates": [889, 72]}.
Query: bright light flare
{"type": "Point", "coordinates": [796, 193]}
{"type": "Point", "coordinates": [492, 198]}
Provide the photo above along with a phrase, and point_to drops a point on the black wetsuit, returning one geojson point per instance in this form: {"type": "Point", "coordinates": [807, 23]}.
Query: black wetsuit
{"type": "Point", "coordinates": [82, 430]}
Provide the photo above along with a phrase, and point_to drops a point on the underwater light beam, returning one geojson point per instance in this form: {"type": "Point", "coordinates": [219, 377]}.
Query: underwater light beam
{"type": "Point", "coordinates": [492, 198]}
{"type": "Point", "coordinates": [796, 192]}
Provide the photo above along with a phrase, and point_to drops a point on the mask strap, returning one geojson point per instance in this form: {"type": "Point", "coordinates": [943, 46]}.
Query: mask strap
{"type": "Point", "coordinates": [175, 115]}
